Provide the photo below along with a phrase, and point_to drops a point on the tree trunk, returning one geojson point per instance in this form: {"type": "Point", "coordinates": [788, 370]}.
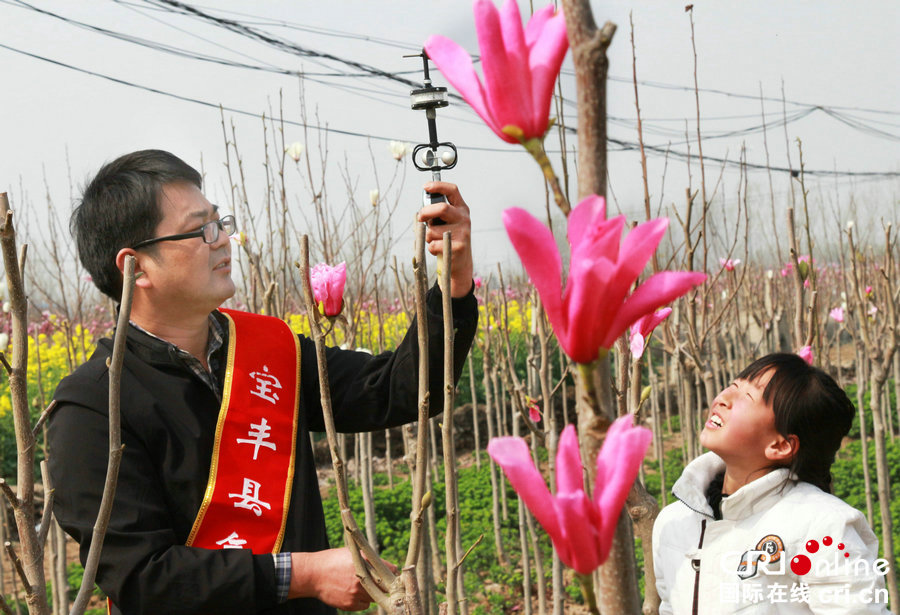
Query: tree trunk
{"type": "Point", "coordinates": [502, 559]}
{"type": "Point", "coordinates": [366, 483]}
{"type": "Point", "coordinates": [658, 443]}
{"type": "Point", "coordinates": [437, 566]}
{"type": "Point", "coordinates": [524, 560]}
{"type": "Point", "coordinates": [475, 426]}
{"type": "Point", "coordinates": [878, 377]}
{"type": "Point", "coordinates": [863, 432]}
{"type": "Point", "coordinates": [62, 577]}
{"type": "Point", "coordinates": [617, 578]}
{"type": "Point", "coordinates": [896, 364]}
{"type": "Point", "coordinates": [388, 460]}
{"type": "Point", "coordinates": [498, 406]}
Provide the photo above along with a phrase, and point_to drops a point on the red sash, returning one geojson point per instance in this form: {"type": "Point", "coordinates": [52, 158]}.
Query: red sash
{"type": "Point", "coordinates": [249, 490]}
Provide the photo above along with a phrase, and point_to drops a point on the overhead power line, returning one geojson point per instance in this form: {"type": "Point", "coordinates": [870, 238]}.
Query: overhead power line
{"type": "Point", "coordinates": [280, 43]}
{"type": "Point", "coordinates": [806, 108]}
{"type": "Point", "coordinates": [622, 144]}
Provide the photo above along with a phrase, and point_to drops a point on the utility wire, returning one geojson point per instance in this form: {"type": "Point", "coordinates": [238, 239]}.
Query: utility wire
{"type": "Point", "coordinates": [623, 145]}
{"type": "Point", "coordinates": [279, 43]}
{"type": "Point", "coordinates": [627, 80]}
{"type": "Point", "coordinates": [854, 123]}
{"type": "Point", "coordinates": [312, 76]}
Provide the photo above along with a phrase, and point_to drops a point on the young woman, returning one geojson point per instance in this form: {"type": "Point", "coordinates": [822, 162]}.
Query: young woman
{"type": "Point", "coordinates": [755, 528]}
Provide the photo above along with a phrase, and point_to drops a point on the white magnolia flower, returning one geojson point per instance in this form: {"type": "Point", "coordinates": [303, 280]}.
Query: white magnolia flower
{"type": "Point", "coordinates": [770, 274]}
{"type": "Point", "coordinates": [373, 196]}
{"type": "Point", "coordinates": [399, 149]}
{"type": "Point", "coordinates": [295, 150]}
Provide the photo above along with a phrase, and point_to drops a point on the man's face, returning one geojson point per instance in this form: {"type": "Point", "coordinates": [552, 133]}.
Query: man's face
{"type": "Point", "coordinates": [188, 273]}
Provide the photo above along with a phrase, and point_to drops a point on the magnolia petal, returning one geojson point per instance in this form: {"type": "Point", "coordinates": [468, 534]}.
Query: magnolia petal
{"type": "Point", "coordinates": [569, 474]}
{"type": "Point", "coordinates": [588, 214]}
{"type": "Point", "coordinates": [637, 249]}
{"type": "Point", "coordinates": [618, 464]}
{"type": "Point", "coordinates": [583, 302]}
{"type": "Point", "coordinates": [601, 241]}
{"type": "Point", "coordinates": [659, 289]}
{"type": "Point", "coordinates": [540, 257]}
{"type": "Point", "coordinates": [648, 323]}
{"type": "Point", "coordinates": [502, 87]}
{"type": "Point", "coordinates": [535, 27]}
{"type": "Point", "coordinates": [590, 298]}
{"type": "Point", "coordinates": [637, 343]}
{"type": "Point", "coordinates": [545, 58]}
{"type": "Point", "coordinates": [338, 281]}
{"type": "Point", "coordinates": [455, 64]}
{"type": "Point", "coordinates": [579, 548]}
{"type": "Point", "coordinates": [513, 456]}
{"type": "Point", "coordinates": [517, 61]}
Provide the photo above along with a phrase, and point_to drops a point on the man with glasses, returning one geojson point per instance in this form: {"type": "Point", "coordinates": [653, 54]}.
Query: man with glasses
{"type": "Point", "coordinates": [179, 365]}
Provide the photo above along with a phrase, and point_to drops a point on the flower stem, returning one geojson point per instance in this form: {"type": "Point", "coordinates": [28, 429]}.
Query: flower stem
{"type": "Point", "coordinates": [587, 589]}
{"type": "Point", "coordinates": [535, 147]}
{"type": "Point", "coordinates": [586, 375]}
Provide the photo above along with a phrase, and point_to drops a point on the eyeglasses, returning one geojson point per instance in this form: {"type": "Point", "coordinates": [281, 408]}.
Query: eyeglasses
{"type": "Point", "coordinates": [209, 232]}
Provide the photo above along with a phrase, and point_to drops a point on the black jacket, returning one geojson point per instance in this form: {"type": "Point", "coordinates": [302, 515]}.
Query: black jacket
{"type": "Point", "coordinates": [168, 427]}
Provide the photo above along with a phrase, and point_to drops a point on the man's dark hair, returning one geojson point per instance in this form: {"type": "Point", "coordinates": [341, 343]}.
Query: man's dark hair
{"type": "Point", "coordinates": [120, 207]}
{"type": "Point", "coordinates": [807, 403]}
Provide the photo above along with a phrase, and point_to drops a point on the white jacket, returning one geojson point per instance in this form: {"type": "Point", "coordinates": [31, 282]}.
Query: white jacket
{"type": "Point", "coordinates": [750, 560]}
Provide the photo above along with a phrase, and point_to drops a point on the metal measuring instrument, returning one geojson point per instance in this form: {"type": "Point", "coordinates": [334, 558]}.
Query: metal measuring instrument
{"type": "Point", "coordinates": [434, 156]}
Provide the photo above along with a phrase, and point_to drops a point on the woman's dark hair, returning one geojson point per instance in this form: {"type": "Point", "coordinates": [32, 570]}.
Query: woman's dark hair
{"type": "Point", "coordinates": [809, 404]}
{"type": "Point", "coordinates": [120, 207]}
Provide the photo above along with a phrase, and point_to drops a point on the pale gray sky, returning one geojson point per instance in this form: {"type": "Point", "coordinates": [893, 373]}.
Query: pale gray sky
{"type": "Point", "coordinates": [837, 56]}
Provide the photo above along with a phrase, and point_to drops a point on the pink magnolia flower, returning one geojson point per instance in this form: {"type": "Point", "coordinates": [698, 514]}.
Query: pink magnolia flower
{"type": "Point", "coordinates": [328, 286]}
{"type": "Point", "coordinates": [643, 327]}
{"type": "Point", "coordinates": [729, 264]}
{"type": "Point", "coordinates": [478, 282]}
{"type": "Point", "coordinates": [534, 411]}
{"type": "Point", "coordinates": [595, 307]}
{"type": "Point", "coordinates": [580, 527]}
{"type": "Point", "coordinates": [520, 67]}
{"type": "Point", "coordinates": [806, 353]}
{"type": "Point", "coordinates": [868, 292]}
{"type": "Point", "coordinates": [837, 314]}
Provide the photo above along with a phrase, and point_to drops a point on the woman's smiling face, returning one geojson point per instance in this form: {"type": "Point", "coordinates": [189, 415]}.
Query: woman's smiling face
{"type": "Point", "coordinates": [740, 424]}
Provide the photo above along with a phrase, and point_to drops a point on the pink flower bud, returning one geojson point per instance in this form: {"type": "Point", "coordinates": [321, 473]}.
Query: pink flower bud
{"type": "Point", "coordinates": [328, 287]}
{"type": "Point", "coordinates": [729, 264]}
{"type": "Point", "coordinates": [534, 412]}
